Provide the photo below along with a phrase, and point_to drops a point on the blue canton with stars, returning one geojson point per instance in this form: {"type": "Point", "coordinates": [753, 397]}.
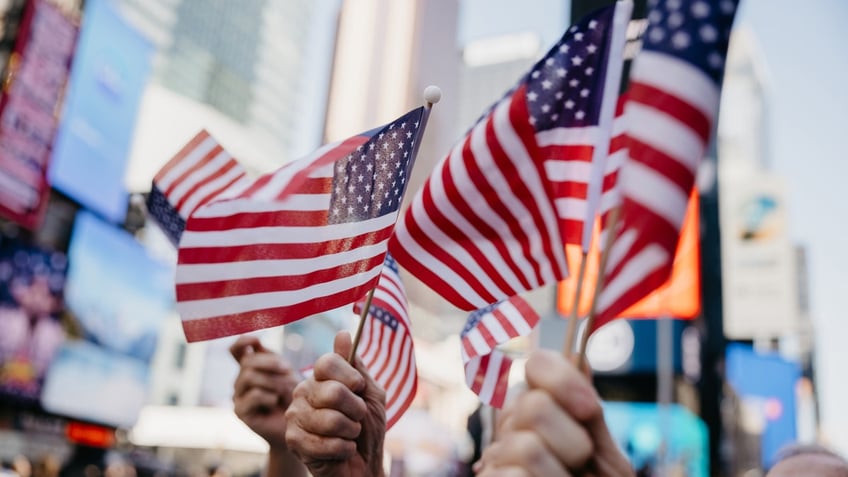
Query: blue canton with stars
{"type": "Point", "coordinates": [475, 317]}
{"type": "Point", "coordinates": [565, 88]}
{"type": "Point", "coordinates": [695, 31]}
{"type": "Point", "coordinates": [371, 181]}
{"type": "Point", "coordinates": [165, 215]}
{"type": "Point", "coordinates": [380, 313]}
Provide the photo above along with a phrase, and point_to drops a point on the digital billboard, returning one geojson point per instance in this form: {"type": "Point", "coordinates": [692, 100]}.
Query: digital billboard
{"type": "Point", "coordinates": [32, 88]}
{"type": "Point", "coordinates": [94, 384]}
{"type": "Point", "coordinates": [31, 284]}
{"type": "Point", "coordinates": [115, 289]}
{"type": "Point", "coordinates": [765, 384]}
{"type": "Point", "coordinates": [679, 297]}
{"type": "Point", "coordinates": [109, 74]}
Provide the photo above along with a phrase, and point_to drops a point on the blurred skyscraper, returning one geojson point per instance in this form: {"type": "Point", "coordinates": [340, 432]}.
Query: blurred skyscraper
{"type": "Point", "coordinates": [262, 64]}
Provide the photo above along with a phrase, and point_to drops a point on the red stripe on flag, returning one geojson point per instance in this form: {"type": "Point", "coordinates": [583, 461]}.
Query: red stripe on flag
{"type": "Point", "coordinates": [669, 104]}
{"type": "Point", "coordinates": [206, 159]}
{"type": "Point", "coordinates": [181, 154]}
{"type": "Point", "coordinates": [248, 321]}
{"type": "Point", "coordinates": [249, 286]}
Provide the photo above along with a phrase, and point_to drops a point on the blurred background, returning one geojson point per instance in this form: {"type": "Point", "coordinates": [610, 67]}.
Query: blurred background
{"type": "Point", "coordinates": [739, 355]}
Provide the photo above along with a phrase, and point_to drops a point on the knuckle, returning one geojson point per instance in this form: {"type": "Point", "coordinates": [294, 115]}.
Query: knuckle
{"type": "Point", "coordinates": [302, 390]}
{"type": "Point", "coordinates": [532, 408]}
{"type": "Point", "coordinates": [529, 445]}
{"type": "Point", "coordinates": [333, 393]}
{"type": "Point", "coordinates": [325, 365]}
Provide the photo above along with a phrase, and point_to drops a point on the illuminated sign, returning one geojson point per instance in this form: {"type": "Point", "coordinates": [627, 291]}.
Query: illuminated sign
{"type": "Point", "coordinates": [678, 297]}
{"type": "Point", "coordinates": [89, 434]}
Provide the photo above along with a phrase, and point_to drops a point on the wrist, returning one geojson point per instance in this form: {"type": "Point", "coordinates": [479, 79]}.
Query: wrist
{"type": "Point", "coordinates": [376, 463]}
{"type": "Point", "coordinates": [283, 463]}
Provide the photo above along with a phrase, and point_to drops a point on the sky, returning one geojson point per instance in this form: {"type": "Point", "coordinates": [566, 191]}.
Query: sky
{"type": "Point", "coordinates": [803, 45]}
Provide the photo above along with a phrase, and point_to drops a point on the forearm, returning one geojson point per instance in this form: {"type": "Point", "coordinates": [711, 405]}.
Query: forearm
{"type": "Point", "coordinates": [283, 463]}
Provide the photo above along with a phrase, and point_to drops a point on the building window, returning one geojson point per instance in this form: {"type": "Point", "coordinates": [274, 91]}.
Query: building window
{"type": "Point", "coordinates": [180, 356]}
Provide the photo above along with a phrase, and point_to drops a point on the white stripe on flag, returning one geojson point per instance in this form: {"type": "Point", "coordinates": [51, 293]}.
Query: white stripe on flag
{"type": "Point", "coordinates": [189, 161]}
{"type": "Point", "coordinates": [199, 309]}
{"type": "Point", "coordinates": [678, 78]}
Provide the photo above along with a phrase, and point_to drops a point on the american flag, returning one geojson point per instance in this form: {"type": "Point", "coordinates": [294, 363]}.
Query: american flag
{"type": "Point", "coordinates": [199, 172]}
{"type": "Point", "coordinates": [305, 239]}
{"type": "Point", "coordinates": [386, 344]}
{"type": "Point", "coordinates": [490, 220]}
{"type": "Point", "coordinates": [672, 105]}
{"type": "Point", "coordinates": [486, 368]}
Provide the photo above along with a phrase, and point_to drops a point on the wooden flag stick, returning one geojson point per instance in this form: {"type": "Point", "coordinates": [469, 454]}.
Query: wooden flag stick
{"type": "Point", "coordinates": [362, 316]}
{"type": "Point", "coordinates": [590, 322]}
{"type": "Point", "coordinates": [575, 306]}
{"type": "Point", "coordinates": [432, 95]}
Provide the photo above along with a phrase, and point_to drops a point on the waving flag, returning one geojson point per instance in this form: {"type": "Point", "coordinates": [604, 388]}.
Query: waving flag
{"type": "Point", "coordinates": [486, 368]}
{"type": "Point", "coordinates": [490, 220]}
{"type": "Point", "coordinates": [198, 173]}
{"type": "Point", "coordinates": [674, 97]}
{"type": "Point", "coordinates": [386, 345]}
{"type": "Point", "coordinates": [305, 239]}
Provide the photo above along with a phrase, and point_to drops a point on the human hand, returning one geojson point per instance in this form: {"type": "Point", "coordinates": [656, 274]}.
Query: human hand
{"type": "Point", "coordinates": [263, 390]}
{"type": "Point", "coordinates": [337, 420]}
{"type": "Point", "coordinates": [554, 428]}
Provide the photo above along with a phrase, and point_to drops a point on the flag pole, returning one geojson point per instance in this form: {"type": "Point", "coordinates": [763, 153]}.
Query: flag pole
{"type": "Point", "coordinates": [612, 83]}
{"type": "Point", "coordinates": [590, 322]}
{"type": "Point", "coordinates": [361, 325]}
{"type": "Point", "coordinates": [568, 347]}
{"type": "Point", "coordinates": [432, 95]}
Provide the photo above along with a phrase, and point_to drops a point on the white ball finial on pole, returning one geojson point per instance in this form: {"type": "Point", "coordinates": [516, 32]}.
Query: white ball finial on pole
{"type": "Point", "coordinates": [432, 94]}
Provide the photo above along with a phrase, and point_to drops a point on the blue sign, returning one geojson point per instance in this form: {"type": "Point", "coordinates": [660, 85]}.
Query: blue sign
{"type": "Point", "coordinates": [645, 430]}
{"type": "Point", "coordinates": [108, 77]}
{"type": "Point", "coordinates": [765, 384]}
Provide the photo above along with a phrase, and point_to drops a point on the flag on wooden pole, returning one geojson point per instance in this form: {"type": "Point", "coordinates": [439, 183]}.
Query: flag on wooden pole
{"type": "Point", "coordinates": [491, 219]}
{"type": "Point", "coordinates": [671, 110]}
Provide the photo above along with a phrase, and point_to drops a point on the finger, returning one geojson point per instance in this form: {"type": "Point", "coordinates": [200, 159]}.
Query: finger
{"type": "Point", "coordinates": [248, 379]}
{"type": "Point", "coordinates": [334, 367]}
{"type": "Point", "coordinates": [332, 395]}
{"type": "Point", "coordinates": [266, 361]}
{"type": "Point", "coordinates": [306, 444]}
{"type": "Point", "coordinates": [550, 372]}
{"type": "Point", "coordinates": [254, 401]}
{"type": "Point", "coordinates": [501, 472]}
{"type": "Point", "coordinates": [243, 345]}
{"type": "Point", "coordinates": [524, 450]}
{"type": "Point", "coordinates": [373, 391]}
{"type": "Point", "coordinates": [343, 344]}
{"type": "Point", "coordinates": [567, 439]}
{"type": "Point", "coordinates": [310, 447]}
{"type": "Point", "coordinates": [331, 423]}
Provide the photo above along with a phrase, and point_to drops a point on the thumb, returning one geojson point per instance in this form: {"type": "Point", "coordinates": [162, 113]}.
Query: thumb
{"type": "Point", "coordinates": [343, 344]}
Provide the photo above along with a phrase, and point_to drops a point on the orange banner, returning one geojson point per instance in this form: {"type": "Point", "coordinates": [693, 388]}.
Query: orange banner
{"type": "Point", "coordinates": [679, 297]}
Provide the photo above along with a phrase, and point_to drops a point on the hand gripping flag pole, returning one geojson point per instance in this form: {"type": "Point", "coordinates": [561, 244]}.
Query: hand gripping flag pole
{"type": "Point", "coordinates": [432, 95]}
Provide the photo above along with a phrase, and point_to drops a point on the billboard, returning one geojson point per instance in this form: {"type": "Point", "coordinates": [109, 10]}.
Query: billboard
{"type": "Point", "coordinates": [109, 75]}
{"type": "Point", "coordinates": [644, 431]}
{"type": "Point", "coordinates": [91, 383]}
{"type": "Point", "coordinates": [765, 385]}
{"type": "Point", "coordinates": [115, 289]}
{"type": "Point", "coordinates": [31, 284]}
{"type": "Point", "coordinates": [759, 285]}
{"type": "Point", "coordinates": [678, 297]}
{"type": "Point", "coordinates": [32, 89]}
